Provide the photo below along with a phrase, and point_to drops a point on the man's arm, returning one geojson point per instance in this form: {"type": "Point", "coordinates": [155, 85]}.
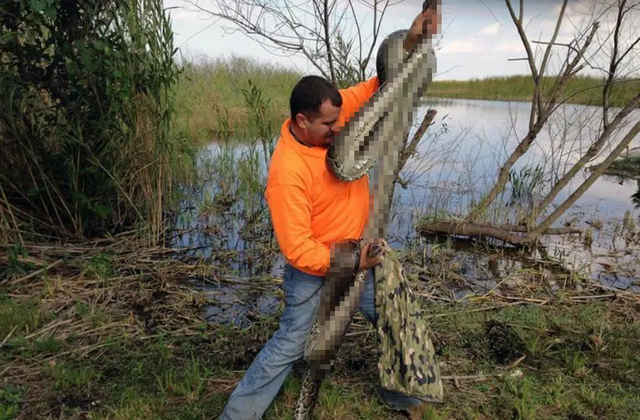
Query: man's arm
{"type": "Point", "coordinates": [425, 24]}
{"type": "Point", "coordinates": [356, 96]}
{"type": "Point", "coordinates": [290, 208]}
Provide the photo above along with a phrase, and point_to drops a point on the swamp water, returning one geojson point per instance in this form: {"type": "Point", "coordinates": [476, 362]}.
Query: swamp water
{"type": "Point", "coordinates": [225, 221]}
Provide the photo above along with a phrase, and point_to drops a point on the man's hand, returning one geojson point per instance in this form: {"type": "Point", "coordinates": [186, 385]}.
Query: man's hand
{"type": "Point", "coordinates": [368, 258]}
{"type": "Point", "coordinates": [426, 24]}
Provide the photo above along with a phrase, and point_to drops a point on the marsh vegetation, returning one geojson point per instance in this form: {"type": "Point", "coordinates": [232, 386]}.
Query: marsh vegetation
{"type": "Point", "coordinates": [139, 273]}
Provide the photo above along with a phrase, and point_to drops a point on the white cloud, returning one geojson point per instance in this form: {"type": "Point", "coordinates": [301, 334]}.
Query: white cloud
{"type": "Point", "coordinates": [190, 17]}
{"type": "Point", "coordinates": [459, 47]}
{"type": "Point", "coordinates": [515, 46]}
{"type": "Point", "coordinates": [474, 45]}
{"type": "Point", "coordinates": [492, 29]}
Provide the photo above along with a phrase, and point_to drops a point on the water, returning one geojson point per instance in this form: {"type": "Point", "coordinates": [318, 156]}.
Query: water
{"type": "Point", "coordinates": [462, 163]}
{"type": "Point", "coordinates": [457, 162]}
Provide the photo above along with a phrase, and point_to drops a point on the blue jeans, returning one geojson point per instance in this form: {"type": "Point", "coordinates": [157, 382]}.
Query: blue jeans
{"type": "Point", "coordinates": [267, 373]}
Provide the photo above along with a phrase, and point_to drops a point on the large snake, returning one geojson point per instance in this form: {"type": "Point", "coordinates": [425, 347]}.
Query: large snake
{"type": "Point", "coordinates": [374, 135]}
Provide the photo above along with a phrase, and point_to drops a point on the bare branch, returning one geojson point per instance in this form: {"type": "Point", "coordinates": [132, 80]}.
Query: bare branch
{"type": "Point", "coordinates": [295, 28]}
{"type": "Point", "coordinates": [531, 59]}
{"type": "Point", "coordinates": [327, 39]}
{"type": "Point", "coordinates": [570, 71]}
{"type": "Point", "coordinates": [548, 50]}
{"type": "Point", "coordinates": [521, 11]}
{"type": "Point", "coordinates": [631, 134]}
{"type": "Point", "coordinates": [547, 53]}
{"type": "Point", "coordinates": [355, 17]}
{"type": "Point", "coordinates": [523, 36]}
{"type": "Point", "coordinates": [606, 92]}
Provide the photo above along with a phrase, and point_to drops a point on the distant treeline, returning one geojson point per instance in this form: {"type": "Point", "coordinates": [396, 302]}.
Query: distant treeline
{"type": "Point", "coordinates": [580, 90]}
{"type": "Point", "coordinates": [208, 86]}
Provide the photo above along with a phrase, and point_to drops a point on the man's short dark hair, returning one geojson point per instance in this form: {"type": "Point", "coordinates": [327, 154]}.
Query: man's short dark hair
{"type": "Point", "coordinates": [309, 94]}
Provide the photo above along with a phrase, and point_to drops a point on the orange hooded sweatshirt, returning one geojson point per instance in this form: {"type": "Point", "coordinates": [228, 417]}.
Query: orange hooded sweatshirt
{"type": "Point", "coordinates": [310, 208]}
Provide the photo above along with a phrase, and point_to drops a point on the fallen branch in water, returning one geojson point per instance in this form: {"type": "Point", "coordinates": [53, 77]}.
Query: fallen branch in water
{"type": "Point", "coordinates": [506, 233]}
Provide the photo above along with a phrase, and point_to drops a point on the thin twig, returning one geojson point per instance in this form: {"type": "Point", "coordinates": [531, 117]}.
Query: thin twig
{"type": "Point", "coordinates": [7, 337]}
{"type": "Point", "coordinates": [35, 273]}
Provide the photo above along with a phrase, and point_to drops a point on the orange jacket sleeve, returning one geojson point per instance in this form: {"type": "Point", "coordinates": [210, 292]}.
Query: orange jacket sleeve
{"type": "Point", "coordinates": [356, 96]}
{"type": "Point", "coordinates": [290, 204]}
{"type": "Point", "coordinates": [290, 208]}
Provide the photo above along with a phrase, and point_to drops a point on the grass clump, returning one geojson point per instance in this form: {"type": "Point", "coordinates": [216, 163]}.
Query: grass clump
{"type": "Point", "coordinates": [210, 86]}
{"type": "Point", "coordinates": [25, 317]}
{"type": "Point", "coordinates": [10, 401]}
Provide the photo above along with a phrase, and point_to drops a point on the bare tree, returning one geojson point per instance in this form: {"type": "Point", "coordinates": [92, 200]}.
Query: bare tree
{"type": "Point", "coordinates": [542, 107]}
{"type": "Point", "coordinates": [609, 124]}
{"type": "Point", "coordinates": [548, 96]}
{"type": "Point", "coordinates": [331, 34]}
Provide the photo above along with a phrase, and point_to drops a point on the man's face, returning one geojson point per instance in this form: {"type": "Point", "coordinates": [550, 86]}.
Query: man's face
{"type": "Point", "coordinates": [320, 131]}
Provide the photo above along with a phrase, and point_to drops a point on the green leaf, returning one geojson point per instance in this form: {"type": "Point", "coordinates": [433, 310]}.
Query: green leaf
{"type": "Point", "coordinates": [101, 211]}
{"type": "Point", "coordinates": [7, 36]}
{"type": "Point", "coordinates": [38, 5]}
{"type": "Point", "coordinates": [99, 45]}
{"type": "Point", "coordinates": [51, 12]}
{"type": "Point", "coordinates": [33, 192]}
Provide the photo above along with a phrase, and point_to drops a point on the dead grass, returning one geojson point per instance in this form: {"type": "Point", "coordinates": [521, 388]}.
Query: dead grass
{"type": "Point", "coordinates": [112, 331]}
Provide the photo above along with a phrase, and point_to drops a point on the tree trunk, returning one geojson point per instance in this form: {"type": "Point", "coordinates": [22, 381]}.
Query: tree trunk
{"type": "Point", "coordinates": [504, 233]}
{"type": "Point", "coordinates": [503, 175]}
{"type": "Point", "coordinates": [475, 230]}
{"type": "Point", "coordinates": [633, 132]}
{"type": "Point", "coordinates": [591, 153]}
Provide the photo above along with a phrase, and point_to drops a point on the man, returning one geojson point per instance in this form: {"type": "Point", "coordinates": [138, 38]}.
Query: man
{"type": "Point", "coordinates": [311, 210]}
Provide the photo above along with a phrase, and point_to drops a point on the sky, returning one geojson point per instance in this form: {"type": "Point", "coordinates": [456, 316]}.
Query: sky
{"type": "Point", "coordinates": [478, 38]}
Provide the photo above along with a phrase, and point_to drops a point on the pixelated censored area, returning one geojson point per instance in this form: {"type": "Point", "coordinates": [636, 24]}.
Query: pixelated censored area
{"type": "Point", "coordinates": [339, 301]}
{"type": "Point", "coordinates": [373, 131]}
{"type": "Point", "coordinates": [374, 135]}
{"type": "Point", "coordinates": [388, 138]}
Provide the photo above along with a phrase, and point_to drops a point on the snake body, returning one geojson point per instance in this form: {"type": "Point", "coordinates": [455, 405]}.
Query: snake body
{"type": "Point", "coordinates": [374, 135]}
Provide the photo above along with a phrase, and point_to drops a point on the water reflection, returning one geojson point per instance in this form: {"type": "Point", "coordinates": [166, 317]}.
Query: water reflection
{"type": "Point", "coordinates": [484, 134]}
{"type": "Point", "coordinates": [227, 223]}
